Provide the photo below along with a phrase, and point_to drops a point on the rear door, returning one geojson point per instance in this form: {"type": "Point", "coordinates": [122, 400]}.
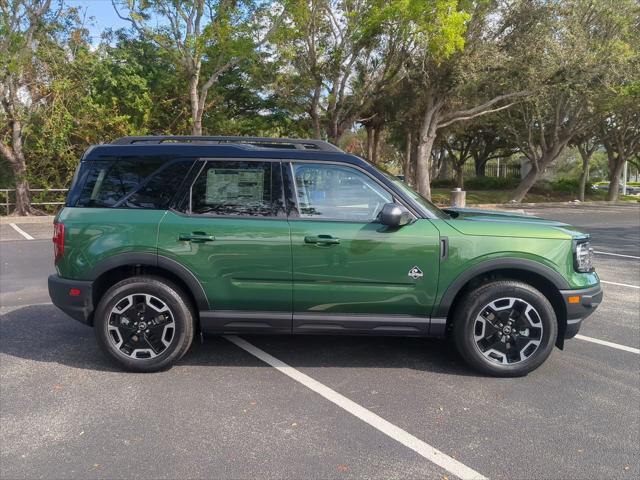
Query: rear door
{"type": "Point", "coordinates": [351, 274]}
{"type": "Point", "coordinates": [233, 235]}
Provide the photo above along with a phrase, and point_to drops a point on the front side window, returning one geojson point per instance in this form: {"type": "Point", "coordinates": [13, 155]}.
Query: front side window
{"type": "Point", "coordinates": [238, 188]}
{"type": "Point", "coordinates": [336, 192]}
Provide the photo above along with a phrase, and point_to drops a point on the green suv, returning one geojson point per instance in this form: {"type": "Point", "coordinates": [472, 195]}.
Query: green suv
{"type": "Point", "coordinates": [162, 238]}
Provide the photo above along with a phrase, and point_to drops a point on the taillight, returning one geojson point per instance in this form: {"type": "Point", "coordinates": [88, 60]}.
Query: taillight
{"type": "Point", "coordinates": [58, 241]}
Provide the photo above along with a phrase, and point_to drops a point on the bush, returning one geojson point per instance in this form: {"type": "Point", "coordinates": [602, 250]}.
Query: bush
{"type": "Point", "coordinates": [443, 183]}
{"type": "Point", "coordinates": [490, 183]}
{"type": "Point", "coordinates": [567, 185]}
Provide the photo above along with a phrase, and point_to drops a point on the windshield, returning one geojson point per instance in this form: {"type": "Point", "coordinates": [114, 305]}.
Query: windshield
{"type": "Point", "coordinates": [426, 204]}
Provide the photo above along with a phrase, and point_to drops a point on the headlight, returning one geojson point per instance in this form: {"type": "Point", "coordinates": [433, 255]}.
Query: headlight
{"type": "Point", "coordinates": [583, 257]}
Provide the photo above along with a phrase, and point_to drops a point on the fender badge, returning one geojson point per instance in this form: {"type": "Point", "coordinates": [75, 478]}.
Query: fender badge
{"type": "Point", "coordinates": [415, 273]}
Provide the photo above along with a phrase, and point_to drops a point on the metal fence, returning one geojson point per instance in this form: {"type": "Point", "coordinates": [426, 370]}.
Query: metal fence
{"type": "Point", "coordinates": [495, 170]}
{"type": "Point", "coordinates": [38, 195]}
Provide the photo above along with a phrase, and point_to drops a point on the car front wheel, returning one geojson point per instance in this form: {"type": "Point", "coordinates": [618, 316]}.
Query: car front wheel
{"type": "Point", "coordinates": [505, 328]}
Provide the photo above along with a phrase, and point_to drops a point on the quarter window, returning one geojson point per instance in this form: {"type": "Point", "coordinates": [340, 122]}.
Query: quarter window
{"type": "Point", "coordinates": [131, 183]}
{"type": "Point", "coordinates": [238, 188]}
{"type": "Point", "coordinates": [338, 193]}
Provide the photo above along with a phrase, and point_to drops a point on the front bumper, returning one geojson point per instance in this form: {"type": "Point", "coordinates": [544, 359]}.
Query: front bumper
{"type": "Point", "coordinates": [73, 297]}
{"type": "Point", "coordinates": [587, 302]}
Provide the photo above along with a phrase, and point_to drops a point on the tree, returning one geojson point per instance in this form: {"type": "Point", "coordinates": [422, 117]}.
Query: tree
{"type": "Point", "coordinates": [330, 61]}
{"type": "Point", "coordinates": [26, 33]}
{"type": "Point", "coordinates": [205, 38]}
{"type": "Point", "coordinates": [586, 144]}
{"type": "Point", "coordinates": [620, 135]}
{"type": "Point", "coordinates": [454, 61]}
{"type": "Point", "coordinates": [573, 52]}
{"type": "Point", "coordinates": [459, 147]}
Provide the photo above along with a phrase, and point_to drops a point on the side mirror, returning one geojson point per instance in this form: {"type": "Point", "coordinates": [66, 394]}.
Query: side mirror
{"type": "Point", "coordinates": [394, 215]}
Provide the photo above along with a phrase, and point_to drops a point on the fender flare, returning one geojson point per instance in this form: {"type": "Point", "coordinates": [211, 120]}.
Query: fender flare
{"type": "Point", "coordinates": [442, 311]}
{"type": "Point", "coordinates": [157, 261]}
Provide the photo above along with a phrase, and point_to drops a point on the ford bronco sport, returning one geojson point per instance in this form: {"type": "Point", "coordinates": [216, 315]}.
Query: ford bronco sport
{"type": "Point", "coordinates": [165, 237]}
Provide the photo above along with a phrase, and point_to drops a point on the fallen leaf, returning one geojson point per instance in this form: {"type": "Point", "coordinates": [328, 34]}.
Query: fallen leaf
{"type": "Point", "coordinates": [343, 468]}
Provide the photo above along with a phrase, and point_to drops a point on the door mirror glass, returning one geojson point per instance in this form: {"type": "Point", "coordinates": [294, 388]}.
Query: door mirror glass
{"type": "Point", "coordinates": [394, 215]}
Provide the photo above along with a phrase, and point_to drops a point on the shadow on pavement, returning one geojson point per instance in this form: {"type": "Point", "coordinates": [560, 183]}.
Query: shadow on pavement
{"type": "Point", "coordinates": [42, 333]}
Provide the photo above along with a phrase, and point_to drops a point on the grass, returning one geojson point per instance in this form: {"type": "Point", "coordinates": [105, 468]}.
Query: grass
{"type": "Point", "coordinates": [442, 196]}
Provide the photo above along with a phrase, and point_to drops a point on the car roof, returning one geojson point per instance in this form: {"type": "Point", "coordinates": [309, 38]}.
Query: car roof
{"type": "Point", "coordinates": [239, 151]}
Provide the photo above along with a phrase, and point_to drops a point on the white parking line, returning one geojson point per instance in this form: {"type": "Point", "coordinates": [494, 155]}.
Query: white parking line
{"type": "Point", "coordinates": [609, 344]}
{"type": "Point", "coordinates": [615, 254]}
{"type": "Point", "coordinates": [20, 231]}
{"type": "Point", "coordinates": [620, 284]}
{"type": "Point", "coordinates": [444, 461]}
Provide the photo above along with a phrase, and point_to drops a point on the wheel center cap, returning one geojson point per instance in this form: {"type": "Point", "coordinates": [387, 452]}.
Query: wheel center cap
{"type": "Point", "coordinates": [506, 330]}
{"type": "Point", "coordinates": [142, 325]}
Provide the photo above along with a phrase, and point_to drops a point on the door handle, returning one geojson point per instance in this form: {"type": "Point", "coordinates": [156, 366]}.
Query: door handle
{"type": "Point", "coordinates": [196, 237]}
{"type": "Point", "coordinates": [321, 240]}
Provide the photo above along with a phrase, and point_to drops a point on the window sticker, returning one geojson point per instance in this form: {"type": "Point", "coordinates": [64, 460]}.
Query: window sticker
{"type": "Point", "coordinates": [226, 185]}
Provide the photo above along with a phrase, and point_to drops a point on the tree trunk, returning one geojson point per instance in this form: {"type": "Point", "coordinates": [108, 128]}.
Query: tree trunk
{"type": "Point", "coordinates": [15, 157]}
{"type": "Point", "coordinates": [614, 180]}
{"type": "Point", "coordinates": [480, 165]}
{"type": "Point", "coordinates": [523, 187]}
{"type": "Point", "coordinates": [459, 169]}
{"type": "Point", "coordinates": [584, 174]}
{"type": "Point", "coordinates": [369, 129]}
{"type": "Point", "coordinates": [546, 159]}
{"type": "Point", "coordinates": [423, 157]}
{"type": "Point", "coordinates": [426, 138]}
{"type": "Point", "coordinates": [196, 112]}
{"type": "Point", "coordinates": [23, 196]}
{"type": "Point", "coordinates": [376, 145]}
{"type": "Point", "coordinates": [406, 164]}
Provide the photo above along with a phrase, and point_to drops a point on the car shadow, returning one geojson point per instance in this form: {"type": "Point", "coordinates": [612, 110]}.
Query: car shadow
{"type": "Point", "coordinates": [42, 333]}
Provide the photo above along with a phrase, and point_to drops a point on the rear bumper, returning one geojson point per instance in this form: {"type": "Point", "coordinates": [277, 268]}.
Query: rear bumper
{"type": "Point", "coordinates": [78, 307]}
{"type": "Point", "coordinates": [589, 299]}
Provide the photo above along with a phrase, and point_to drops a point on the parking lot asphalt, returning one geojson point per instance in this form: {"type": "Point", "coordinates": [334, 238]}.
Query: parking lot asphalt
{"type": "Point", "coordinates": [65, 412]}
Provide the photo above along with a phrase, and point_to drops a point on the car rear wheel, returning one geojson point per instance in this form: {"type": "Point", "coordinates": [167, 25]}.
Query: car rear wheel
{"type": "Point", "coordinates": [144, 323]}
{"type": "Point", "coordinates": [505, 328]}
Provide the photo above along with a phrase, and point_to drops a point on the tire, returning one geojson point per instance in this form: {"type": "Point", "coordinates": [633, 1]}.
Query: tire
{"type": "Point", "coordinates": [509, 310]}
{"type": "Point", "coordinates": [144, 324]}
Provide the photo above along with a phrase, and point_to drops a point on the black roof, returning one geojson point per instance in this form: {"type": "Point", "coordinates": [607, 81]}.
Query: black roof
{"type": "Point", "coordinates": [215, 150]}
{"type": "Point", "coordinates": [261, 142]}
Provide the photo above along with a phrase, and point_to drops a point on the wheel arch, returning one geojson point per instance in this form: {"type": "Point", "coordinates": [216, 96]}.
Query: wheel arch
{"type": "Point", "coordinates": [116, 268]}
{"type": "Point", "coordinates": [541, 277]}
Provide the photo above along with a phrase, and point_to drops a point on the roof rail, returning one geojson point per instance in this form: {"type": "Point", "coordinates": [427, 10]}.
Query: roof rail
{"type": "Point", "coordinates": [263, 142]}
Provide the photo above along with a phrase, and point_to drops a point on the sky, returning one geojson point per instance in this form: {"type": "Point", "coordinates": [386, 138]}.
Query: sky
{"type": "Point", "coordinates": [104, 16]}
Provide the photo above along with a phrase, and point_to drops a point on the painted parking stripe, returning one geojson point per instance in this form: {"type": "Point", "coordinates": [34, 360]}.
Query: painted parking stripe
{"type": "Point", "coordinates": [444, 461]}
{"type": "Point", "coordinates": [615, 254]}
{"type": "Point", "coordinates": [20, 231]}
{"type": "Point", "coordinates": [620, 284]}
{"type": "Point", "coordinates": [609, 344]}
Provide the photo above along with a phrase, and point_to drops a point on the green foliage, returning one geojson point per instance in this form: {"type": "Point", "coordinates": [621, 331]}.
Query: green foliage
{"type": "Point", "coordinates": [326, 68]}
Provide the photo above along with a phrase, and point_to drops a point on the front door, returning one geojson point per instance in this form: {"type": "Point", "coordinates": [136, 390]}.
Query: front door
{"type": "Point", "coordinates": [233, 235]}
{"type": "Point", "coordinates": [351, 274]}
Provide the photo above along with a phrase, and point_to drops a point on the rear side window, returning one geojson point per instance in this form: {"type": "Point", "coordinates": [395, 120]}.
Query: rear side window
{"type": "Point", "coordinates": [238, 189]}
{"type": "Point", "coordinates": [131, 183]}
